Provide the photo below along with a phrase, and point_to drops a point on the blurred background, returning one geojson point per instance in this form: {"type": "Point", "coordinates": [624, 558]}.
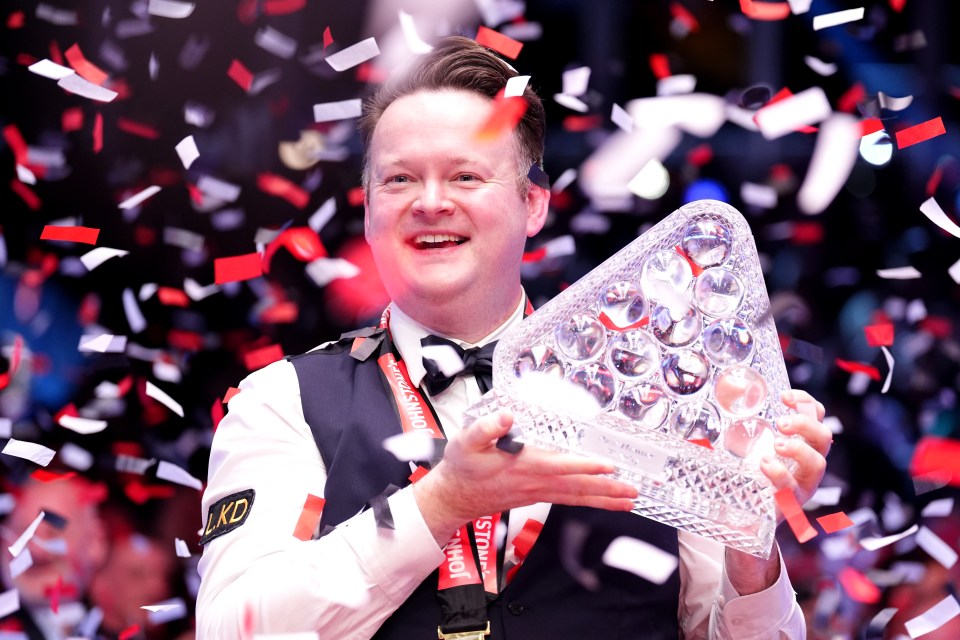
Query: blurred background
{"type": "Point", "coordinates": [656, 108]}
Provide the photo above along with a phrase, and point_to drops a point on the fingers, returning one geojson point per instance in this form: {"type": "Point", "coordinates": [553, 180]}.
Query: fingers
{"type": "Point", "coordinates": [484, 432]}
{"type": "Point", "coordinates": [815, 433]}
{"type": "Point", "coordinates": [794, 397]}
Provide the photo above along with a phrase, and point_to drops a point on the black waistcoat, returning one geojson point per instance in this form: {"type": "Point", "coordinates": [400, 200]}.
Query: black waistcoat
{"type": "Point", "coordinates": [562, 590]}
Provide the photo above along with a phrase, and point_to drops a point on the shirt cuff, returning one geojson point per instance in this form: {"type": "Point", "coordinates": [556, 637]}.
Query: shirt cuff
{"type": "Point", "coordinates": [757, 615]}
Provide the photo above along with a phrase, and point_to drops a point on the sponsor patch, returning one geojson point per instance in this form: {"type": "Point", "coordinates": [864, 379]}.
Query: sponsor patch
{"type": "Point", "coordinates": [226, 514]}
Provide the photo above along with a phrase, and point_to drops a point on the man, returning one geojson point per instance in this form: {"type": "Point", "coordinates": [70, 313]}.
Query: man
{"type": "Point", "coordinates": [447, 216]}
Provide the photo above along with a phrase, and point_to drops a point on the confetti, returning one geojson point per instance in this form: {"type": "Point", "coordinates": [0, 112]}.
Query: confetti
{"type": "Point", "coordinates": [793, 112]}
{"type": "Point", "coordinates": [934, 617]}
{"type": "Point", "coordinates": [282, 7]}
{"type": "Point", "coordinates": [936, 547]}
{"type": "Point", "coordinates": [163, 398]}
{"type": "Point", "coordinates": [554, 248]}
{"type": "Point", "coordinates": [219, 189]}
{"type": "Point", "coordinates": [181, 548]}
{"type": "Point", "coordinates": [354, 55]}
{"type": "Point", "coordinates": [277, 43]}
{"type": "Point", "coordinates": [84, 68]}
{"type": "Point", "coordinates": [920, 133]}
{"type": "Point", "coordinates": [827, 496]}
{"type": "Point", "coordinates": [37, 453]}
{"type": "Point", "coordinates": [759, 195]}
{"type": "Point", "coordinates": [858, 586]}
{"type": "Point", "coordinates": [893, 104]}
{"type": "Point", "coordinates": [325, 270]}
{"type": "Point", "coordinates": [414, 42]}
{"type": "Point", "coordinates": [259, 358]}
{"type": "Point", "coordinates": [938, 508]}
{"type": "Point", "coordinates": [103, 343]}
{"type": "Point", "coordinates": [76, 457]}
{"type": "Point", "coordinates": [166, 611]}
{"type": "Point", "coordinates": [187, 150]}
{"type": "Point", "coordinates": [170, 8]}
{"type": "Point", "coordinates": [24, 538]}
{"type": "Point", "coordinates": [9, 602]}
{"type": "Point", "coordinates": [836, 152]}
{"type": "Point", "coordinates": [504, 117]}
{"type": "Point", "coordinates": [340, 110]}
{"type": "Point", "coordinates": [85, 235]}
{"type": "Point", "coordinates": [281, 187]}
{"type": "Point", "coordinates": [640, 558]}
{"type": "Point", "coordinates": [765, 10]}
{"type": "Point", "coordinates": [173, 473]}
{"type": "Point", "coordinates": [676, 85]}
{"type": "Point", "coordinates": [621, 118]}
{"type": "Point", "coordinates": [565, 180]}
{"type": "Point", "coordinates": [872, 543]}
{"type": "Point", "coordinates": [516, 86]}
{"type": "Point", "coordinates": [889, 358]}
{"type": "Point", "coordinates": [834, 522]}
{"type": "Point", "coordinates": [236, 268]}
{"type": "Point", "coordinates": [498, 42]}
{"type": "Point", "coordinates": [51, 70]}
{"type": "Point", "coordinates": [83, 426]}
{"type": "Point", "coordinates": [309, 519]}
{"type": "Point", "coordinates": [81, 87]}
{"type": "Point", "coordinates": [819, 66]}
{"type": "Point", "coordinates": [826, 20]}
{"type": "Point", "coordinates": [19, 564]}
{"type": "Point", "coordinates": [899, 273]}
{"type": "Point", "coordinates": [240, 74]}
{"type": "Point", "coordinates": [575, 81]}
{"type": "Point", "coordinates": [137, 199]}
{"type": "Point", "coordinates": [794, 514]}
{"type": "Point", "coordinates": [932, 210]}
{"type": "Point", "coordinates": [94, 258]}
{"type": "Point", "coordinates": [879, 334]}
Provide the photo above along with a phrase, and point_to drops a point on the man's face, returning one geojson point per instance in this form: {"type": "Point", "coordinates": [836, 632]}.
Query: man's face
{"type": "Point", "coordinates": [444, 213]}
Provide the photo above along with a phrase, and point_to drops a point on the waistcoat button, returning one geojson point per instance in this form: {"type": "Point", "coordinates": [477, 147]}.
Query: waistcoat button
{"type": "Point", "coordinates": [516, 608]}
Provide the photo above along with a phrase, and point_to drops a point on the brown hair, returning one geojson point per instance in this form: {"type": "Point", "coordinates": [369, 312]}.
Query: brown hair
{"type": "Point", "coordinates": [459, 63]}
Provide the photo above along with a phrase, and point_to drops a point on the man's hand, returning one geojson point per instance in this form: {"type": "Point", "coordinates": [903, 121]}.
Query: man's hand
{"type": "Point", "coordinates": [476, 479]}
{"type": "Point", "coordinates": [749, 574]}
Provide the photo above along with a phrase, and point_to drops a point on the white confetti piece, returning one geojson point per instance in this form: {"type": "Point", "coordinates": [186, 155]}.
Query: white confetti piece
{"type": "Point", "coordinates": [173, 473]}
{"type": "Point", "coordinates": [799, 6]}
{"type": "Point", "coordinates": [527, 31]}
{"type": "Point", "coordinates": [181, 548]}
{"type": "Point", "coordinates": [759, 195]}
{"type": "Point", "coordinates": [29, 451]}
{"type": "Point", "coordinates": [936, 547]}
{"type": "Point", "coordinates": [933, 618]}
{"type": "Point", "coordinates": [833, 424]}
{"type": "Point", "coordinates": [83, 426]}
{"type": "Point", "coordinates": [640, 558]}
{"type": "Point", "coordinates": [414, 42]}
{"type": "Point", "coordinates": [557, 247]}
{"type": "Point", "coordinates": [826, 496]}
{"type": "Point", "coordinates": [277, 43]}
{"type": "Point", "coordinates": [163, 398]}
{"type": "Point", "coordinates": [340, 110]}
{"type": "Point", "coordinates": [96, 257]}
{"type": "Point", "coordinates": [6, 427]}
{"type": "Point", "coordinates": [516, 86]}
{"type": "Point", "coordinates": [170, 8]}
{"type": "Point", "coordinates": [325, 270]}
{"type": "Point", "coordinates": [880, 621]}
{"type": "Point", "coordinates": [219, 189]}
{"type": "Point", "coordinates": [354, 55]}
{"type": "Point", "coordinates": [575, 81]}
{"type": "Point", "coordinates": [412, 445]}
{"type": "Point", "coordinates": [25, 175]}
{"type": "Point", "coordinates": [323, 215]}
{"type": "Point", "coordinates": [166, 611]}
{"type": "Point", "coordinates": [938, 508]}
{"type": "Point", "coordinates": [604, 175]}
{"type": "Point", "coordinates": [932, 210]}
{"type": "Point", "coordinates": [133, 464]}
{"type": "Point", "coordinates": [196, 292]}
{"type": "Point", "coordinates": [819, 66]}
{"type": "Point", "coordinates": [153, 66]}
{"type": "Point", "coordinates": [86, 89]}
{"type": "Point", "coordinates": [826, 20]}
{"type": "Point", "coordinates": [889, 358]}
{"type": "Point", "coordinates": [103, 343]}
{"type": "Point", "coordinates": [872, 543]}
{"type": "Point", "coordinates": [565, 180]}
{"type": "Point", "coordinates": [9, 602]}
{"type": "Point", "coordinates": [785, 116]}
{"type": "Point", "coordinates": [24, 538]}
{"type": "Point", "coordinates": [676, 85]}
{"type": "Point", "coordinates": [21, 563]}
{"type": "Point", "coordinates": [621, 118]}
{"type": "Point", "coordinates": [893, 104]}
{"type": "Point", "coordinates": [954, 271]}
{"type": "Point", "coordinates": [138, 198]}
{"type": "Point", "coordinates": [899, 273]}
{"type": "Point", "coordinates": [76, 457]}
{"type": "Point", "coordinates": [571, 102]}
{"type": "Point", "coordinates": [55, 15]}
{"type": "Point", "coordinates": [132, 311]}
{"type": "Point", "coordinates": [50, 69]}
{"type": "Point", "coordinates": [701, 114]}
{"type": "Point", "coordinates": [187, 150]}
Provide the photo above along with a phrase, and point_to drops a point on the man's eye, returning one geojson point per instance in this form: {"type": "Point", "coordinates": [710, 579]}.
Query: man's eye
{"type": "Point", "coordinates": [465, 177]}
{"type": "Point", "coordinates": [398, 179]}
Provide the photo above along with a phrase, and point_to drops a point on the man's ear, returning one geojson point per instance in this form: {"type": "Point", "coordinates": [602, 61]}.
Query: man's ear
{"type": "Point", "coordinates": [538, 204]}
{"type": "Point", "coordinates": [366, 215]}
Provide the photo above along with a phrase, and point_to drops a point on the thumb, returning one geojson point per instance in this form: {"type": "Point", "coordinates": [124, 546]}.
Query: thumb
{"type": "Point", "coordinates": [486, 431]}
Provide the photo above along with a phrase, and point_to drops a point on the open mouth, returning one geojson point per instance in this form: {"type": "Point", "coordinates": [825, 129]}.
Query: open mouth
{"type": "Point", "coordinates": [437, 241]}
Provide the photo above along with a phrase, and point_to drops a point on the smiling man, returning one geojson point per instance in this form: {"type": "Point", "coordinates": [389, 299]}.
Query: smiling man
{"type": "Point", "coordinates": [339, 537]}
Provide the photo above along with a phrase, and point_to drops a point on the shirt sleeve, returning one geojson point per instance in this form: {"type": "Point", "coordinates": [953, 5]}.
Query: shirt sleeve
{"type": "Point", "coordinates": [710, 607]}
{"type": "Point", "coordinates": [343, 585]}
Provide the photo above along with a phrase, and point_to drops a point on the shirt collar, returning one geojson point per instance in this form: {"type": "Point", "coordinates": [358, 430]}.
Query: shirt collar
{"type": "Point", "coordinates": [407, 333]}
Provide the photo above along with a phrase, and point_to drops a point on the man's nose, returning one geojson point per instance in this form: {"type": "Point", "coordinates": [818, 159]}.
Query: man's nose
{"type": "Point", "coordinates": [433, 199]}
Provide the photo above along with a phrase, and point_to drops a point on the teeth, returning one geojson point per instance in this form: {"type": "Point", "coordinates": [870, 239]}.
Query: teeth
{"type": "Point", "coordinates": [437, 238]}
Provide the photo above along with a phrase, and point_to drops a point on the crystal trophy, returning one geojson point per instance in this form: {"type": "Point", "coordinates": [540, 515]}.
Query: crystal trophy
{"type": "Point", "coordinates": [665, 360]}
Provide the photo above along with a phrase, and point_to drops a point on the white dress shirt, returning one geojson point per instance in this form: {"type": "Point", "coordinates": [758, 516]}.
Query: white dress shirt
{"type": "Point", "coordinates": [348, 582]}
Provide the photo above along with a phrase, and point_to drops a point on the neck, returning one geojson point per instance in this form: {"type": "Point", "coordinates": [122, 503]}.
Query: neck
{"type": "Point", "coordinates": [469, 322]}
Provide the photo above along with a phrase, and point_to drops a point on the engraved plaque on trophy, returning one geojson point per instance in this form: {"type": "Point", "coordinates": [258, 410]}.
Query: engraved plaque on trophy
{"type": "Point", "coordinates": [665, 360]}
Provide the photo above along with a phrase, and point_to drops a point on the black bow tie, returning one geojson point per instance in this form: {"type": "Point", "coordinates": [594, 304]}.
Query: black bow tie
{"type": "Point", "coordinates": [478, 361]}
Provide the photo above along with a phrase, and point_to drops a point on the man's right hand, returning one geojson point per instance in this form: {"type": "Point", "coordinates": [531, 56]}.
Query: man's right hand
{"type": "Point", "coordinates": [476, 479]}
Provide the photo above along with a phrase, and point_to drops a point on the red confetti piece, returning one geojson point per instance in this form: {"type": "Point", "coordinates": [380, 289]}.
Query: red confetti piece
{"type": "Point", "coordinates": [534, 256]}
{"type": "Point", "coordinates": [697, 269]}
{"type": "Point", "coordinates": [281, 187]}
{"type": "Point", "coordinates": [660, 65]}
{"type": "Point", "coordinates": [55, 54]}
{"type": "Point", "coordinates": [355, 196]}
{"type": "Point", "coordinates": [54, 592]}
{"type": "Point", "coordinates": [523, 542]}
{"type": "Point", "coordinates": [172, 297]}
{"type": "Point", "coordinates": [937, 457]}
{"type": "Point", "coordinates": [26, 193]}
{"type": "Point", "coordinates": [499, 42]}
{"type": "Point", "coordinates": [15, 20]}
{"type": "Point", "coordinates": [185, 340]}
{"type": "Point", "coordinates": [858, 586]}
{"type": "Point", "coordinates": [42, 475]}
{"type": "Point", "coordinates": [807, 233]}
{"type": "Point", "coordinates": [137, 128]}
{"type": "Point", "coordinates": [282, 312]}
{"type": "Point", "coordinates": [84, 68]}
{"type": "Point", "coordinates": [870, 125]}
{"type": "Point", "coordinates": [282, 7]}
{"type": "Point", "coordinates": [937, 326]}
{"type": "Point", "coordinates": [765, 10]}
{"type": "Point", "coordinates": [140, 493]}
{"type": "Point", "coordinates": [129, 632]}
{"type": "Point", "coordinates": [700, 155]}
{"type": "Point", "coordinates": [259, 358]}
{"type": "Point", "coordinates": [851, 98]}
{"type": "Point", "coordinates": [370, 74]}
{"type": "Point", "coordinates": [679, 12]}
{"type": "Point", "coordinates": [418, 473]}
{"type": "Point", "coordinates": [240, 74]}
{"type": "Point", "coordinates": [921, 132]}
{"type": "Point", "coordinates": [98, 133]}
{"type": "Point", "coordinates": [858, 367]}
{"type": "Point", "coordinates": [232, 391]}
{"type": "Point", "coordinates": [834, 522]}
{"type": "Point", "coordinates": [15, 360]}
{"type": "Point", "coordinates": [506, 113]}
{"type": "Point", "coordinates": [577, 124]}
{"type": "Point", "coordinates": [236, 268]}
{"type": "Point", "coordinates": [309, 518]}
{"type": "Point", "coordinates": [327, 38]}
{"type": "Point", "coordinates": [934, 180]}
{"type": "Point", "coordinates": [879, 335]}
{"type": "Point", "coordinates": [72, 120]}
{"type": "Point", "coordinates": [216, 414]}
{"type": "Point", "coordinates": [610, 324]}
{"type": "Point", "coordinates": [793, 512]}
{"type": "Point", "coordinates": [16, 143]}
{"type": "Point", "coordinates": [86, 235]}
{"type": "Point", "coordinates": [897, 5]}
{"type": "Point", "coordinates": [701, 442]}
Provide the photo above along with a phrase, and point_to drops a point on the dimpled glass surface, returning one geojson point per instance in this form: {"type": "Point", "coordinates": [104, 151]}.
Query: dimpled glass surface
{"type": "Point", "coordinates": [665, 428]}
